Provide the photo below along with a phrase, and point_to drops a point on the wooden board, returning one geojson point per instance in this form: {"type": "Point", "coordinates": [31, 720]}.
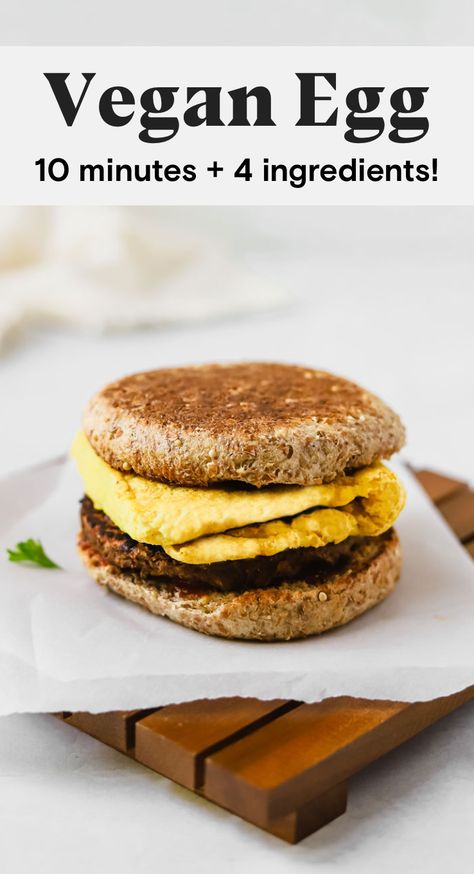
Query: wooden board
{"type": "Point", "coordinates": [281, 765]}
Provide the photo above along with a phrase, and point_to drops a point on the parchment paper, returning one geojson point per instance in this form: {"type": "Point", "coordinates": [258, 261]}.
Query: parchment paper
{"type": "Point", "coordinates": [66, 644]}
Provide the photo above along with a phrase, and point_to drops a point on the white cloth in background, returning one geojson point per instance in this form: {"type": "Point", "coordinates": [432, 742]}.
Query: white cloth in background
{"type": "Point", "coordinates": [111, 268]}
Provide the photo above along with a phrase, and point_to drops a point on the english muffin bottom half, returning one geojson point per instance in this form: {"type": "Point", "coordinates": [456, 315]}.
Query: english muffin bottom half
{"type": "Point", "coordinates": [244, 500]}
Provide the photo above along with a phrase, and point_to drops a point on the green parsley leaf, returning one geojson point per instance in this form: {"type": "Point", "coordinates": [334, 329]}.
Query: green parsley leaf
{"type": "Point", "coordinates": [31, 551]}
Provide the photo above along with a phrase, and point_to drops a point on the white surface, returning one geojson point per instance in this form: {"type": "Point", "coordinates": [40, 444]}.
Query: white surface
{"type": "Point", "coordinates": [68, 803]}
{"type": "Point", "coordinates": [66, 644]}
{"type": "Point", "coordinates": [383, 296]}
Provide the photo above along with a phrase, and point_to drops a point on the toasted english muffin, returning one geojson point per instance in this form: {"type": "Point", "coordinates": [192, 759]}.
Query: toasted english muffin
{"type": "Point", "coordinates": [255, 423]}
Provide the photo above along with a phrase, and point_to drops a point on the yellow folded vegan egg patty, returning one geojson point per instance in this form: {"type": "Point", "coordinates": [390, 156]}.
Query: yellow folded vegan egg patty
{"type": "Point", "coordinates": [214, 524]}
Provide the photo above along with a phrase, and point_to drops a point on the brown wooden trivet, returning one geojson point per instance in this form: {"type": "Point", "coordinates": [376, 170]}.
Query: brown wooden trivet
{"type": "Point", "coordinates": [281, 765]}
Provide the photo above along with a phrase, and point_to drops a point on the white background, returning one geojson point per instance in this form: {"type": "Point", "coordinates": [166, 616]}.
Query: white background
{"type": "Point", "coordinates": [239, 22]}
{"type": "Point", "coordinates": [81, 805]}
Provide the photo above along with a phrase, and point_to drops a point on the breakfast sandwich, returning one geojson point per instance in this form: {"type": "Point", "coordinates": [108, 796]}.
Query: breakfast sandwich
{"type": "Point", "coordinates": [242, 500]}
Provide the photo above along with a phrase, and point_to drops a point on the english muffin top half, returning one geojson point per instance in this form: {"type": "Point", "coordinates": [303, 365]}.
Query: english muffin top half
{"type": "Point", "coordinates": [252, 423]}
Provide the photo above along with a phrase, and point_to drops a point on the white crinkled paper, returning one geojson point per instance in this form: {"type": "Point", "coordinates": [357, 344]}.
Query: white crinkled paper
{"type": "Point", "coordinates": [67, 644]}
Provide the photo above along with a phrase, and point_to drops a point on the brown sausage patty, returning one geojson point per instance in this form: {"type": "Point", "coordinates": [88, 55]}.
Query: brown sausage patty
{"type": "Point", "coordinates": [120, 550]}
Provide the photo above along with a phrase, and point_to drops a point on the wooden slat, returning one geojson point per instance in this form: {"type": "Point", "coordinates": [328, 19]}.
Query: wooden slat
{"type": "Point", "coordinates": [115, 728]}
{"type": "Point", "coordinates": [310, 817]}
{"type": "Point", "coordinates": [470, 547]}
{"type": "Point", "coordinates": [437, 486]}
{"type": "Point", "coordinates": [176, 739]}
{"type": "Point", "coordinates": [269, 773]}
{"type": "Point", "coordinates": [458, 510]}
{"type": "Point", "coordinates": [305, 752]}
